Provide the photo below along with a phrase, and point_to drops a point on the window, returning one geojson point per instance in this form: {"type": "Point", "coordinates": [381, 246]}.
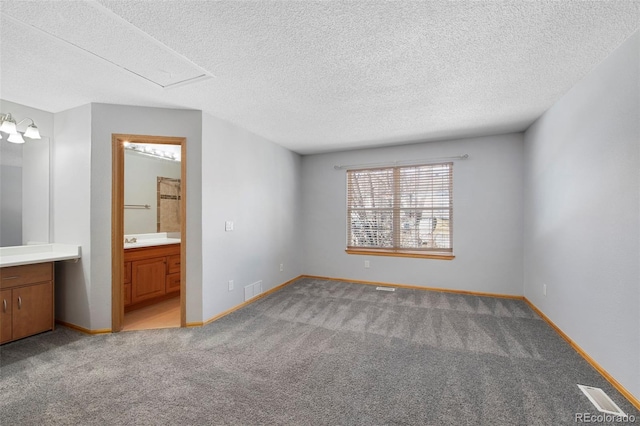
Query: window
{"type": "Point", "coordinates": [401, 211]}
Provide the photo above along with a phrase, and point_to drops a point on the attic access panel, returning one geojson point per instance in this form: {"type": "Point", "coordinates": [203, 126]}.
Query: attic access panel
{"type": "Point", "coordinates": [99, 32]}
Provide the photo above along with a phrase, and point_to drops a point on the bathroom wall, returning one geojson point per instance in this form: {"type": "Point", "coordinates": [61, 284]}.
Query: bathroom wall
{"type": "Point", "coordinates": [140, 188]}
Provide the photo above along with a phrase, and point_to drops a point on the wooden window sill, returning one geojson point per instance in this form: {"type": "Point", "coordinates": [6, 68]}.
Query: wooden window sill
{"type": "Point", "coordinates": [400, 253]}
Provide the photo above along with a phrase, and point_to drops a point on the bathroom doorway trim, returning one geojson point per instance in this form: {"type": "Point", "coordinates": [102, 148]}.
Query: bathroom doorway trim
{"type": "Point", "coordinates": [117, 222]}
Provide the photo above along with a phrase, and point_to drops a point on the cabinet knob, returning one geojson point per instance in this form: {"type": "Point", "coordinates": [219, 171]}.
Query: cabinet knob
{"type": "Point", "coordinates": [19, 302]}
{"type": "Point", "coordinates": [4, 305]}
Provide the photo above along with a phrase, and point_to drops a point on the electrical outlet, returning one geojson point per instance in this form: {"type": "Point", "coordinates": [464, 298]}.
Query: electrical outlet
{"type": "Point", "coordinates": [228, 226]}
{"type": "Point", "coordinates": [230, 285]}
{"type": "Point", "coordinates": [544, 289]}
{"type": "Point", "coordinates": [281, 267]}
{"type": "Point", "coordinates": [366, 264]}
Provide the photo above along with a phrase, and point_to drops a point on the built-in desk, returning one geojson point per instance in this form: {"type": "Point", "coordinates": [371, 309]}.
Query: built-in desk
{"type": "Point", "coordinates": [37, 253]}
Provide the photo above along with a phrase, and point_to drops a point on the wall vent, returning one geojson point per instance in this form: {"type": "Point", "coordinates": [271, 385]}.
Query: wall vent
{"type": "Point", "coordinates": [601, 400]}
{"type": "Point", "coordinates": [252, 290]}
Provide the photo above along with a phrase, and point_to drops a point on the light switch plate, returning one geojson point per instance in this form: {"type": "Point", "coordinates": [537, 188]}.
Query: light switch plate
{"type": "Point", "coordinates": [228, 226]}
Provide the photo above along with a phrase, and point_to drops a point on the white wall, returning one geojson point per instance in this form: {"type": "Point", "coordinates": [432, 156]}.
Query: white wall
{"type": "Point", "coordinates": [71, 191]}
{"type": "Point", "coordinates": [141, 186]}
{"type": "Point", "coordinates": [487, 233]}
{"type": "Point", "coordinates": [582, 222]}
{"type": "Point", "coordinates": [256, 184]}
{"type": "Point", "coordinates": [234, 175]}
{"type": "Point", "coordinates": [107, 119]}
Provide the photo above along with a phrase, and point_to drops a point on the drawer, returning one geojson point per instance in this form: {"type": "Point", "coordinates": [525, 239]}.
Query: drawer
{"type": "Point", "coordinates": [26, 274]}
{"type": "Point", "coordinates": [173, 283]}
{"type": "Point", "coordinates": [173, 264]}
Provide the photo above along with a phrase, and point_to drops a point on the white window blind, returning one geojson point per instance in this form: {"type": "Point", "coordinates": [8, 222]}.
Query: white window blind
{"type": "Point", "coordinates": [408, 208]}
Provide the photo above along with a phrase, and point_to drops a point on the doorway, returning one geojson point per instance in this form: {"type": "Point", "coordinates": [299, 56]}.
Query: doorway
{"type": "Point", "coordinates": [149, 274]}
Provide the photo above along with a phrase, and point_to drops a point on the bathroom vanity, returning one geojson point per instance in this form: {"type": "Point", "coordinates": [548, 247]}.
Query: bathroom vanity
{"type": "Point", "coordinates": [151, 270]}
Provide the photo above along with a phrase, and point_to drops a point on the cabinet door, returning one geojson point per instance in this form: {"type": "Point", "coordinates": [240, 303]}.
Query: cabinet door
{"type": "Point", "coordinates": [32, 309]}
{"type": "Point", "coordinates": [5, 315]}
{"type": "Point", "coordinates": [148, 279]}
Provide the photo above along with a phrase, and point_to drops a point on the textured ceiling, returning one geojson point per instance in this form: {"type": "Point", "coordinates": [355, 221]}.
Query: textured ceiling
{"type": "Point", "coordinates": [314, 76]}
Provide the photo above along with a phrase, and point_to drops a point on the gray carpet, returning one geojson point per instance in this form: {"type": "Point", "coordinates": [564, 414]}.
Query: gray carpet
{"type": "Point", "coordinates": [315, 352]}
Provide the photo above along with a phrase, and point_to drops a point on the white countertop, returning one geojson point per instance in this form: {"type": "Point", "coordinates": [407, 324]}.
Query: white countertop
{"type": "Point", "coordinates": [149, 240]}
{"type": "Point", "coordinates": [37, 253]}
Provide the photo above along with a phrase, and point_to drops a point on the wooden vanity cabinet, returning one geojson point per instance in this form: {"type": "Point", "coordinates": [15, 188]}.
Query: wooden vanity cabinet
{"type": "Point", "coordinates": [26, 301]}
{"type": "Point", "coordinates": [151, 274]}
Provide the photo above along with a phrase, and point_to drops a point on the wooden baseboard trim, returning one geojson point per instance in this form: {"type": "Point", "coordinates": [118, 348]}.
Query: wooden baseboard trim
{"type": "Point", "coordinates": [243, 304]}
{"type": "Point", "coordinates": [82, 329]}
{"type": "Point", "coordinates": [417, 287]}
{"type": "Point", "coordinates": [632, 399]}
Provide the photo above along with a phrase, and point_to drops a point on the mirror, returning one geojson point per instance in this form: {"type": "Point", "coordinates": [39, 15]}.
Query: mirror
{"type": "Point", "coordinates": [24, 192]}
{"type": "Point", "coordinates": [152, 188]}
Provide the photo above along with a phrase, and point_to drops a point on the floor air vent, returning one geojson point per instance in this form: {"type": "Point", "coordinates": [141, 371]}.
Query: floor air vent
{"type": "Point", "coordinates": [601, 400]}
{"type": "Point", "coordinates": [385, 288]}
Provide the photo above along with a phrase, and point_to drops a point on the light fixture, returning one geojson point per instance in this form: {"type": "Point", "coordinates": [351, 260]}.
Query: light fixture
{"type": "Point", "coordinates": [8, 125]}
{"type": "Point", "coordinates": [151, 152]}
{"type": "Point", "coordinates": [15, 138]}
{"type": "Point", "coordinates": [32, 132]}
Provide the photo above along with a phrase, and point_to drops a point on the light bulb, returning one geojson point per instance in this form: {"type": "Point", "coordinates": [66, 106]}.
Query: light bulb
{"type": "Point", "coordinates": [8, 125]}
{"type": "Point", "coordinates": [32, 132]}
{"type": "Point", "coordinates": [15, 138]}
